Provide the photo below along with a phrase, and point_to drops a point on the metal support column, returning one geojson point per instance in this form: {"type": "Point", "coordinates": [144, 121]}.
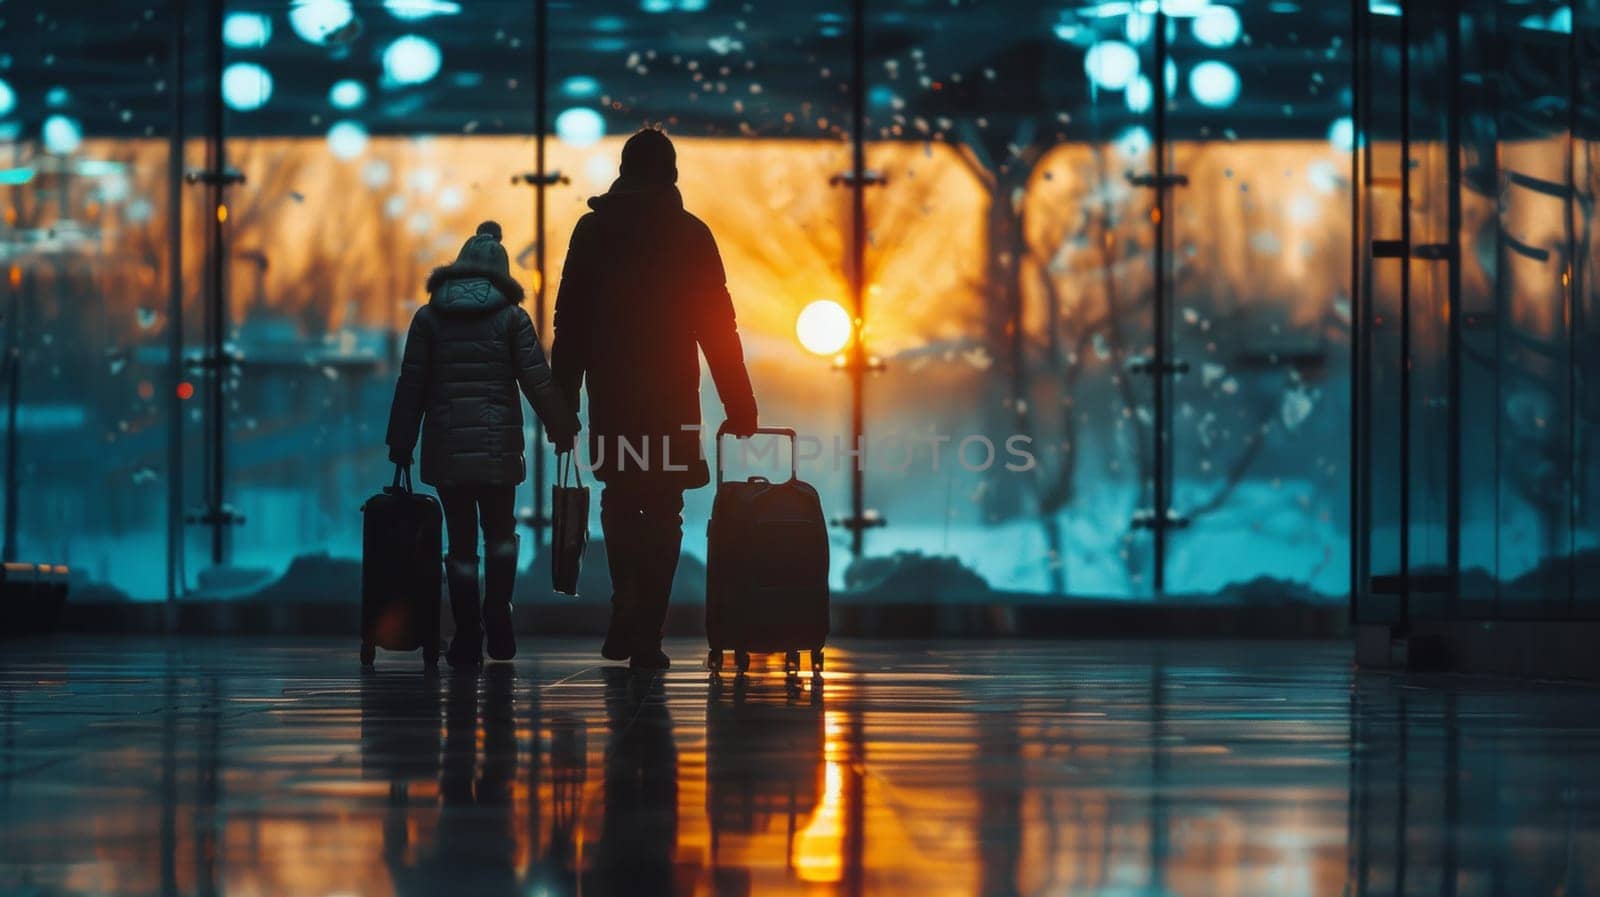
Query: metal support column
{"type": "Point", "coordinates": [858, 363]}
{"type": "Point", "coordinates": [1160, 517]}
{"type": "Point", "coordinates": [1574, 285]}
{"type": "Point", "coordinates": [216, 297]}
{"type": "Point", "coordinates": [1452, 245]}
{"type": "Point", "coordinates": [539, 518]}
{"type": "Point", "coordinates": [16, 279]}
{"type": "Point", "coordinates": [1404, 625]}
{"type": "Point", "coordinates": [177, 47]}
{"type": "Point", "coordinates": [216, 363]}
{"type": "Point", "coordinates": [1358, 409]}
{"type": "Point", "coordinates": [1161, 501]}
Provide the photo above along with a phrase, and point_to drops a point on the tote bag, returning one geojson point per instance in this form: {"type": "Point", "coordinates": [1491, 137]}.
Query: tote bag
{"type": "Point", "coordinates": [569, 530]}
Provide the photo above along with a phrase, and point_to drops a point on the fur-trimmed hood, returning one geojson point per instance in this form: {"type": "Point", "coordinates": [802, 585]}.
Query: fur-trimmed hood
{"type": "Point", "coordinates": [460, 271]}
{"type": "Point", "coordinates": [482, 259]}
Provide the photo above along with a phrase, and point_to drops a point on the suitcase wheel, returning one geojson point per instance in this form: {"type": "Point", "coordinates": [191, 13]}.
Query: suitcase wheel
{"type": "Point", "coordinates": [430, 656]}
{"type": "Point", "coordinates": [741, 661]}
{"type": "Point", "coordinates": [816, 660]}
{"type": "Point", "coordinates": [368, 654]}
{"type": "Point", "coordinates": [791, 661]}
{"type": "Point", "coordinates": [714, 660]}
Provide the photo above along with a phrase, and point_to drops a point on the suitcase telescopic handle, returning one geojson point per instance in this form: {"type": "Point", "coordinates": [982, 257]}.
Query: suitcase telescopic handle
{"type": "Point", "coordinates": [794, 469]}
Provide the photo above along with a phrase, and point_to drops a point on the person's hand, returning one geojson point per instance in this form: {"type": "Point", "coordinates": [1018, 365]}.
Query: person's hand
{"type": "Point", "coordinates": [398, 457]}
{"type": "Point", "coordinates": [740, 424]}
{"type": "Point", "coordinates": [563, 442]}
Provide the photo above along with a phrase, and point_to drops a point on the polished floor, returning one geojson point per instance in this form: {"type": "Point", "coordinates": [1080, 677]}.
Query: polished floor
{"type": "Point", "coordinates": [217, 767]}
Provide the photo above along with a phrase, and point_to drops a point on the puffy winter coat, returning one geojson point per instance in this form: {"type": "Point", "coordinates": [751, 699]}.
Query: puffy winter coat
{"type": "Point", "coordinates": [642, 294]}
{"type": "Point", "coordinates": [467, 353]}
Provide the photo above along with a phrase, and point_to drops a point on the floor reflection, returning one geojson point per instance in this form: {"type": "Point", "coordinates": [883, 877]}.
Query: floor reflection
{"type": "Point", "coordinates": [261, 768]}
{"type": "Point", "coordinates": [639, 826]}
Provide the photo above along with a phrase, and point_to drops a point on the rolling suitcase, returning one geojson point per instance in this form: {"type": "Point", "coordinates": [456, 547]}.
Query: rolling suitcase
{"type": "Point", "coordinates": [766, 568]}
{"type": "Point", "coordinates": [401, 571]}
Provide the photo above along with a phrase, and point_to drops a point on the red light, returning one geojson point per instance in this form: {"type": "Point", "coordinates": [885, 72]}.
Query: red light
{"type": "Point", "coordinates": [146, 390]}
{"type": "Point", "coordinates": [185, 390]}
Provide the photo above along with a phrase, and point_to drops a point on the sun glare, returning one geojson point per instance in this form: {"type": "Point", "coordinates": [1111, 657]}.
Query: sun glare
{"type": "Point", "coordinates": [823, 327]}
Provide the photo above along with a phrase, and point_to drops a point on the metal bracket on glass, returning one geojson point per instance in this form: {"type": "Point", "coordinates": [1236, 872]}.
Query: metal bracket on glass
{"type": "Point", "coordinates": [869, 178]}
{"type": "Point", "coordinates": [534, 178]}
{"type": "Point", "coordinates": [1526, 250]}
{"type": "Point", "coordinates": [535, 521]}
{"type": "Point", "coordinates": [869, 519]}
{"type": "Point", "coordinates": [224, 515]}
{"type": "Point", "coordinates": [1149, 367]}
{"type": "Point", "coordinates": [845, 362]}
{"type": "Point", "coordinates": [209, 362]}
{"type": "Point", "coordinates": [1145, 518]}
{"type": "Point", "coordinates": [1400, 249]}
{"type": "Point", "coordinates": [1540, 185]}
{"type": "Point", "coordinates": [1159, 181]}
{"type": "Point", "coordinates": [225, 178]}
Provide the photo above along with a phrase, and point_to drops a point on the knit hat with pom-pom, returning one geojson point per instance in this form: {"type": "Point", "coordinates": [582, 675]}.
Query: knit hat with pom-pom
{"type": "Point", "coordinates": [482, 256]}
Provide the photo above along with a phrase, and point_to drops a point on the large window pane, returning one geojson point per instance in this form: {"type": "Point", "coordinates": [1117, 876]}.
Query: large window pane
{"type": "Point", "coordinates": [999, 150]}
{"type": "Point", "coordinates": [1258, 295]}
{"type": "Point", "coordinates": [84, 118]}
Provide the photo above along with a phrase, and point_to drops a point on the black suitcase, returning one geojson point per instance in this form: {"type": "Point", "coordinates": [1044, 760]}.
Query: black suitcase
{"type": "Point", "coordinates": [402, 567]}
{"type": "Point", "coordinates": [766, 568]}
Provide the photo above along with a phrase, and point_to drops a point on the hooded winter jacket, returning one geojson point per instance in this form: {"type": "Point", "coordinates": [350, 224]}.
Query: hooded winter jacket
{"type": "Point", "coordinates": [467, 353]}
{"type": "Point", "coordinates": [643, 292]}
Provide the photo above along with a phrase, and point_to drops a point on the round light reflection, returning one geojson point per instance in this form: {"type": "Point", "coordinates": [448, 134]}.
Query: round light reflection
{"type": "Point", "coordinates": [315, 20]}
{"type": "Point", "coordinates": [1342, 134]}
{"type": "Point", "coordinates": [580, 127]}
{"type": "Point", "coordinates": [1138, 26]}
{"type": "Point", "coordinates": [61, 134]}
{"type": "Point", "coordinates": [347, 140]}
{"type": "Point", "coordinates": [1111, 64]}
{"type": "Point", "coordinates": [347, 94]}
{"type": "Point", "coordinates": [580, 87]}
{"type": "Point", "coordinates": [411, 59]}
{"type": "Point", "coordinates": [246, 30]}
{"type": "Point", "coordinates": [1214, 84]}
{"type": "Point", "coordinates": [1139, 94]}
{"type": "Point", "coordinates": [412, 10]}
{"type": "Point", "coordinates": [1134, 142]}
{"type": "Point", "coordinates": [1216, 26]}
{"type": "Point", "coordinates": [246, 86]}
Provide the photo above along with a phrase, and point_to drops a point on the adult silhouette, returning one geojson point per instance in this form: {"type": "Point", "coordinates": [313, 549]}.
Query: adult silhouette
{"type": "Point", "coordinates": [469, 350]}
{"type": "Point", "coordinates": [642, 294]}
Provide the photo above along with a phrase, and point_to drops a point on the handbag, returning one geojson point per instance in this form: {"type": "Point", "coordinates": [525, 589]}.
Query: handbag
{"type": "Point", "coordinates": [569, 525]}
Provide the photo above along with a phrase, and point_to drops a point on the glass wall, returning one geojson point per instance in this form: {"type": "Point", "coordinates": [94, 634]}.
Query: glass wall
{"type": "Point", "coordinates": [1106, 243]}
{"type": "Point", "coordinates": [86, 170]}
{"type": "Point", "coordinates": [1473, 414]}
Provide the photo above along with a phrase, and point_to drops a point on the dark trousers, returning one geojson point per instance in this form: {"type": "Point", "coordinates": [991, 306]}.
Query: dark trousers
{"type": "Point", "coordinates": [643, 526]}
{"type": "Point", "coordinates": [465, 507]}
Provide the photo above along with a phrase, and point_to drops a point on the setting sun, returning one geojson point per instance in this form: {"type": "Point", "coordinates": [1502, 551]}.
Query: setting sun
{"type": "Point", "coordinates": [823, 327]}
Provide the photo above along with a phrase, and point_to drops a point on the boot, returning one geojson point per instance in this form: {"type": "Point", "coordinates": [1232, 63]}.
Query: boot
{"type": "Point", "coordinates": [661, 541]}
{"type": "Point", "coordinates": [466, 648]}
{"type": "Point", "coordinates": [621, 558]}
{"type": "Point", "coordinates": [499, 576]}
